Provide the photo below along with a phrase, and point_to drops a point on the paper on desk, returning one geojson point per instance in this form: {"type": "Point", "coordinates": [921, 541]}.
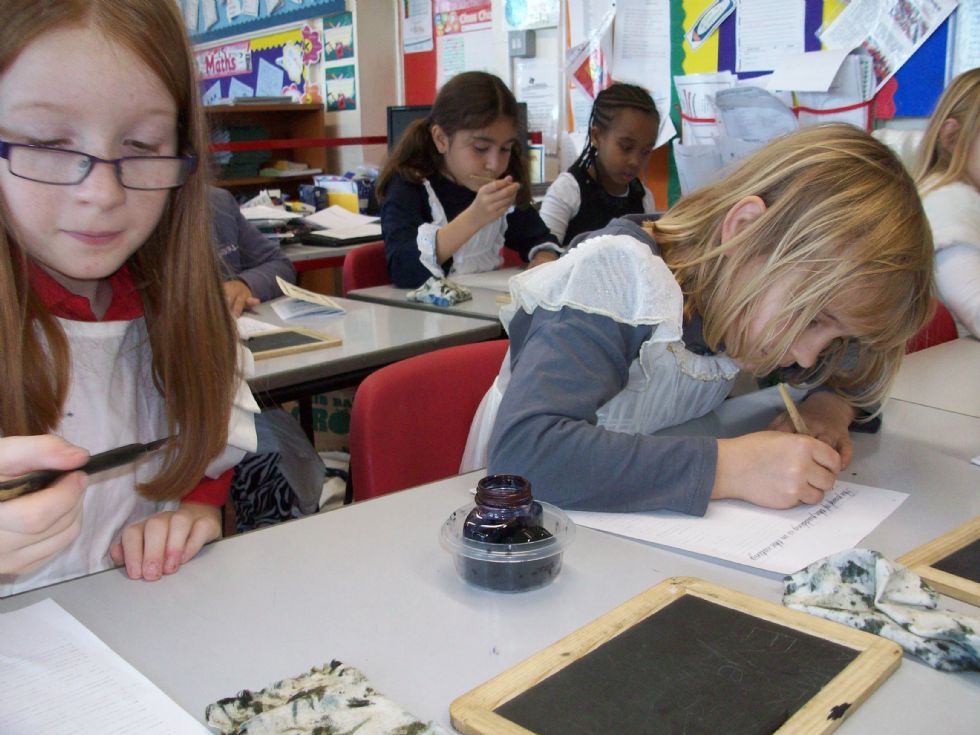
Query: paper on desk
{"type": "Point", "coordinates": [336, 217]}
{"type": "Point", "coordinates": [498, 280]}
{"type": "Point", "coordinates": [247, 326]}
{"type": "Point", "coordinates": [775, 540]}
{"type": "Point", "coordinates": [300, 302]}
{"type": "Point", "coordinates": [58, 677]}
{"type": "Point", "coordinates": [262, 211]}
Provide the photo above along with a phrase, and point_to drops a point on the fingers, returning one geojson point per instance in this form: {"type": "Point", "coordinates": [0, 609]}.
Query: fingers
{"type": "Point", "coordinates": [162, 543]}
{"type": "Point", "coordinates": [36, 527]}
{"type": "Point", "coordinates": [20, 454]}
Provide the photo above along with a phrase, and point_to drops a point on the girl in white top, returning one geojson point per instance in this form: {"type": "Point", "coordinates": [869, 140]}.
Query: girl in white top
{"type": "Point", "coordinates": [948, 175]}
{"type": "Point", "coordinates": [813, 256]}
{"type": "Point", "coordinates": [113, 328]}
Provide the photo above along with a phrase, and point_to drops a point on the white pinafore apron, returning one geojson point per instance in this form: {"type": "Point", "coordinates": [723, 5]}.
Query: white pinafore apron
{"type": "Point", "coordinates": [479, 254]}
{"type": "Point", "coordinates": [111, 402]}
{"type": "Point", "coordinates": [617, 276]}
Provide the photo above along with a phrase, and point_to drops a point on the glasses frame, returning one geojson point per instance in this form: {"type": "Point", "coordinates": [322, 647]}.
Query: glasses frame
{"type": "Point", "coordinates": [190, 162]}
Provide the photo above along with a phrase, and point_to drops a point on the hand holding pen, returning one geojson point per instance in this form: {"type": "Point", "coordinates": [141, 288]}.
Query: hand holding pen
{"type": "Point", "coordinates": [39, 526]}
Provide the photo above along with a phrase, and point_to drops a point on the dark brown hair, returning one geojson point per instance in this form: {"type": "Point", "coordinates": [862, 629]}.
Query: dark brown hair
{"type": "Point", "coordinates": [472, 100]}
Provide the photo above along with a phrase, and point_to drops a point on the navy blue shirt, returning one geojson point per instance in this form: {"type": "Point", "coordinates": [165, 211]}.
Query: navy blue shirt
{"type": "Point", "coordinates": [406, 207]}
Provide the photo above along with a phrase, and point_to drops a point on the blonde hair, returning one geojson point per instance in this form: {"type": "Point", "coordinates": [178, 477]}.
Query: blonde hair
{"type": "Point", "coordinates": [175, 270]}
{"type": "Point", "coordinates": [841, 210]}
{"type": "Point", "coordinates": [942, 157]}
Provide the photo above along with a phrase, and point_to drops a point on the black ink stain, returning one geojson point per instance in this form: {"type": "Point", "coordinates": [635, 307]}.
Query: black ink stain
{"type": "Point", "coordinates": [837, 712]}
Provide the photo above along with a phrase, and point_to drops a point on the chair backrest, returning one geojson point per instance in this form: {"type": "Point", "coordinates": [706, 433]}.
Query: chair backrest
{"type": "Point", "coordinates": [512, 259]}
{"type": "Point", "coordinates": [365, 266]}
{"type": "Point", "coordinates": [941, 328]}
{"type": "Point", "coordinates": [410, 420]}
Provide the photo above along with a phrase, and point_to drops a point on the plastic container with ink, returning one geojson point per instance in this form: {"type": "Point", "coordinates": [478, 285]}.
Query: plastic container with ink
{"type": "Point", "coordinates": [505, 540]}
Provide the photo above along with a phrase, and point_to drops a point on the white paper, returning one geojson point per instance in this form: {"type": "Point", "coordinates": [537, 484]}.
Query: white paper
{"type": "Point", "coordinates": [766, 31]}
{"type": "Point", "coordinates": [781, 541]}
{"type": "Point", "coordinates": [210, 8]}
{"type": "Point", "coordinates": [891, 30]}
{"type": "Point", "coordinates": [212, 95]}
{"type": "Point", "coordinates": [697, 165]}
{"type": "Point", "coordinates": [536, 84]}
{"type": "Point", "coordinates": [300, 302]}
{"type": "Point", "coordinates": [262, 211]}
{"type": "Point", "coordinates": [966, 31]}
{"type": "Point", "coordinates": [812, 71]}
{"type": "Point", "coordinates": [190, 15]}
{"type": "Point", "coordinates": [498, 280]}
{"type": "Point", "coordinates": [250, 7]}
{"type": "Point", "coordinates": [248, 326]}
{"type": "Point", "coordinates": [233, 8]}
{"type": "Point", "coordinates": [337, 217]}
{"type": "Point", "coordinates": [58, 677]}
{"type": "Point", "coordinates": [268, 82]}
{"type": "Point", "coordinates": [238, 88]}
{"type": "Point", "coordinates": [584, 16]}
{"type": "Point", "coordinates": [854, 83]}
{"type": "Point", "coordinates": [417, 26]}
{"type": "Point", "coordinates": [696, 94]}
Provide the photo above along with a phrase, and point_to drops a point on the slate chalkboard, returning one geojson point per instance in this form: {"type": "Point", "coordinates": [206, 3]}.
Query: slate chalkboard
{"type": "Point", "coordinates": [951, 562]}
{"type": "Point", "coordinates": [686, 657]}
{"type": "Point", "coordinates": [286, 342]}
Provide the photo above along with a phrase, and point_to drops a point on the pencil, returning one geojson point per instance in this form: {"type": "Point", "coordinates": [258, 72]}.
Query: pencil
{"type": "Point", "coordinates": [483, 178]}
{"type": "Point", "coordinates": [794, 414]}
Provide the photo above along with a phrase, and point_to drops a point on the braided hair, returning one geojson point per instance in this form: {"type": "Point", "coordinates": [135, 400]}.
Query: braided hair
{"type": "Point", "coordinates": [607, 104]}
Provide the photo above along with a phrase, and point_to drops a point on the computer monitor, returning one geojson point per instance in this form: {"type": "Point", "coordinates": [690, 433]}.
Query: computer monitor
{"type": "Point", "coordinates": [401, 116]}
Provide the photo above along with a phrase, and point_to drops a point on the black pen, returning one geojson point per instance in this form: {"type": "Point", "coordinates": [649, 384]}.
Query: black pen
{"type": "Point", "coordinates": [39, 479]}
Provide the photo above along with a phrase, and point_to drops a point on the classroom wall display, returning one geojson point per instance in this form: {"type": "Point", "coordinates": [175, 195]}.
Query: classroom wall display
{"type": "Point", "coordinates": [338, 37]}
{"type": "Point", "coordinates": [463, 37]}
{"type": "Point", "coordinates": [210, 20]}
{"type": "Point", "coordinates": [530, 14]}
{"type": "Point", "coordinates": [340, 88]}
{"type": "Point", "coordinates": [283, 64]}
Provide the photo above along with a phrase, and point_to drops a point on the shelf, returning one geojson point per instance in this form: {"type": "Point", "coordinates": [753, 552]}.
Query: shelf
{"type": "Point", "coordinates": [264, 107]}
{"type": "Point", "coordinates": [260, 180]}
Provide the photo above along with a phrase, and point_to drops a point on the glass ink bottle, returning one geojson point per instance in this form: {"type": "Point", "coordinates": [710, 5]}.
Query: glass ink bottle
{"type": "Point", "coordinates": [505, 512]}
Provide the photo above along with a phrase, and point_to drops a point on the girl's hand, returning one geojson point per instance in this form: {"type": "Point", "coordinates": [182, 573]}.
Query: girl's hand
{"type": "Point", "coordinates": [161, 543]}
{"type": "Point", "coordinates": [494, 199]}
{"type": "Point", "coordinates": [775, 469]}
{"type": "Point", "coordinates": [542, 256]}
{"type": "Point", "coordinates": [38, 526]}
{"type": "Point", "coordinates": [239, 296]}
{"type": "Point", "coordinates": [828, 417]}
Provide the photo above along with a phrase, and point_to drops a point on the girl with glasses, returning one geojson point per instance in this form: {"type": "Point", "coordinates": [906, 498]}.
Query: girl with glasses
{"type": "Point", "coordinates": [113, 328]}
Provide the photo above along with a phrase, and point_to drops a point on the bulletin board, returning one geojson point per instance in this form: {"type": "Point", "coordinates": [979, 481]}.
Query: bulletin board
{"type": "Point", "coordinates": [210, 20]}
{"type": "Point", "coordinates": [282, 64]}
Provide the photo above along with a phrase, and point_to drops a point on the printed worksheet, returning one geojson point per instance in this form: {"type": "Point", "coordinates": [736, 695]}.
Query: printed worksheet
{"type": "Point", "coordinates": [58, 677]}
{"type": "Point", "coordinates": [782, 541]}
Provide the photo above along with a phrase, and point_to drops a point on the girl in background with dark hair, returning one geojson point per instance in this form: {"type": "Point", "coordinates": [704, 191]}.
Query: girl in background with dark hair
{"type": "Point", "coordinates": [455, 190]}
{"type": "Point", "coordinates": [604, 182]}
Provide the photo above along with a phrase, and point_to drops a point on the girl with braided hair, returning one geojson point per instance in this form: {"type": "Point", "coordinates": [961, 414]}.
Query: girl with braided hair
{"type": "Point", "coordinates": [604, 182]}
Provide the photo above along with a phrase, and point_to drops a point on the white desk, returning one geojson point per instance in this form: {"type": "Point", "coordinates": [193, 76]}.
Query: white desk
{"type": "Point", "coordinates": [946, 376]}
{"type": "Point", "coordinates": [485, 304]}
{"type": "Point", "coordinates": [373, 335]}
{"type": "Point", "coordinates": [370, 585]}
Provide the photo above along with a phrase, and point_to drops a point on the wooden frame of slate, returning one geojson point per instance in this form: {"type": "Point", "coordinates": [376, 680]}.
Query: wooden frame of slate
{"type": "Point", "coordinates": [686, 655]}
{"type": "Point", "coordinates": [287, 341]}
{"type": "Point", "coordinates": [942, 561]}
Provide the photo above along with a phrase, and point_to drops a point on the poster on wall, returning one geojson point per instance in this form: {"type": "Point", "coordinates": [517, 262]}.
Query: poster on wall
{"type": "Point", "coordinates": [340, 88]}
{"type": "Point", "coordinates": [338, 37]}
{"type": "Point", "coordinates": [282, 64]}
{"type": "Point", "coordinates": [529, 14]}
{"type": "Point", "coordinates": [211, 20]}
{"type": "Point", "coordinates": [417, 26]}
{"type": "Point", "coordinates": [464, 37]}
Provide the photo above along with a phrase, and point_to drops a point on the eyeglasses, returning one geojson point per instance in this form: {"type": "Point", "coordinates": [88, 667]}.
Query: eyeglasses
{"type": "Point", "coordinates": [67, 168]}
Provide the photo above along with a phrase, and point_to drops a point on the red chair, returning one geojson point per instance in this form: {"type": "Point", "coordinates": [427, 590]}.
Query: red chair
{"type": "Point", "coordinates": [941, 328]}
{"type": "Point", "coordinates": [512, 259]}
{"type": "Point", "coordinates": [365, 266]}
{"type": "Point", "coordinates": [410, 420]}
